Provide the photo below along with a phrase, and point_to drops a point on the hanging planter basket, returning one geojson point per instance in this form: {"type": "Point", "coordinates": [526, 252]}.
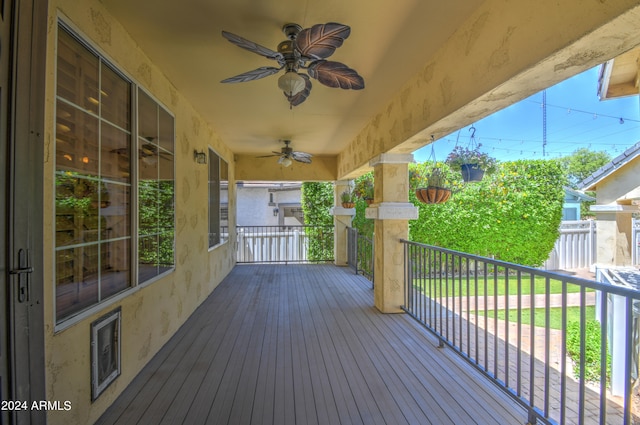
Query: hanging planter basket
{"type": "Point", "coordinates": [471, 172]}
{"type": "Point", "coordinates": [433, 194]}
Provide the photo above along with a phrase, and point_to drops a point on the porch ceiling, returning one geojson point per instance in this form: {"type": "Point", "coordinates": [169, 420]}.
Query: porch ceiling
{"type": "Point", "coordinates": [430, 67]}
{"type": "Point", "coordinates": [388, 44]}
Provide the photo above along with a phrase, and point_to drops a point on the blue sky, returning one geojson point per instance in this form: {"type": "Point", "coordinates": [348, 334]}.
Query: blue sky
{"type": "Point", "coordinates": [576, 118]}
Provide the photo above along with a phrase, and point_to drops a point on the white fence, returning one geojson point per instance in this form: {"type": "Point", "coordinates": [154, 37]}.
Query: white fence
{"type": "Point", "coordinates": [272, 246]}
{"type": "Point", "coordinates": [635, 242]}
{"type": "Point", "coordinates": [575, 248]}
{"type": "Point", "coordinates": [284, 244]}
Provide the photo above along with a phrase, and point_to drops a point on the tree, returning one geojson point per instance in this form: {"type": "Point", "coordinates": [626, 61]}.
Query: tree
{"type": "Point", "coordinates": [582, 163]}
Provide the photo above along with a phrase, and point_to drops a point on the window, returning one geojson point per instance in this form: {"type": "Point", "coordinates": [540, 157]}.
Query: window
{"type": "Point", "coordinates": [94, 219]}
{"type": "Point", "coordinates": [155, 189]}
{"type": "Point", "coordinates": [218, 199]}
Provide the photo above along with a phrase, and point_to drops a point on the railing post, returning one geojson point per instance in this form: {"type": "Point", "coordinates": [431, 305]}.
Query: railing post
{"type": "Point", "coordinates": [341, 221]}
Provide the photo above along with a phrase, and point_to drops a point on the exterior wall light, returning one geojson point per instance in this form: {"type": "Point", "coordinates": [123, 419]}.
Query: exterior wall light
{"type": "Point", "coordinates": [200, 157]}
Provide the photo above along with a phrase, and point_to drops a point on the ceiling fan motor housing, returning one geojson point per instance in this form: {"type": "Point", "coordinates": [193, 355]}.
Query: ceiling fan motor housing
{"type": "Point", "coordinates": [291, 30]}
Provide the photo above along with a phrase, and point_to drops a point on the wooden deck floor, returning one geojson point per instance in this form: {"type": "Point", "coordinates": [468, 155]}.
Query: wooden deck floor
{"type": "Point", "coordinates": [302, 344]}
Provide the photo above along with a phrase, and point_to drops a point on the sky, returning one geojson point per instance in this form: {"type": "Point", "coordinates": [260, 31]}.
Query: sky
{"type": "Point", "coordinates": [576, 118]}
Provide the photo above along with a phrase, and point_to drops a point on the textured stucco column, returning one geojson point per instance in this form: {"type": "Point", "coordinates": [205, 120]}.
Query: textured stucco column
{"type": "Point", "coordinates": [391, 211]}
{"type": "Point", "coordinates": [614, 234]}
{"type": "Point", "coordinates": [341, 220]}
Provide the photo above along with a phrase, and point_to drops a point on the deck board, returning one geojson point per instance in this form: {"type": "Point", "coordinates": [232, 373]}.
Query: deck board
{"type": "Point", "coordinates": [302, 344]}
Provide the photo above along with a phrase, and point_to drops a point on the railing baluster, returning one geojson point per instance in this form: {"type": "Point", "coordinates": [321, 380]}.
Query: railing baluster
{"type": "Point", "coordinates": [604, 317]}
{"type": "Point", "coordinates": [563, 357]}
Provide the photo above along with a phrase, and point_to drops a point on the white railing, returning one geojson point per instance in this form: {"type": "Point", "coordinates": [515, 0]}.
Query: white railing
{"type": "Point", "coordinates": [284, 244]}
{"type": "Point", "coordinates": [575, 248]}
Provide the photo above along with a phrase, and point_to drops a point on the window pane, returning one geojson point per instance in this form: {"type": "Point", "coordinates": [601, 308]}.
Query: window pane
{"type": "Point", "coordinates": [76, 280]}
{"type": "Point", "coordinates": [115, 95]}
{"type": "Point", "coordinates": [147, 257]}
{"type": "Point", "coordinates": [148, 160]}
{"type": "Point", "coordinates": [77, 73]}
{"type": "Point", "coordinates": [156, 219]}
{"type": "Point", "coordinates": [116, 211]}
{"type": "Point", "coordinates": [115, 163]}
{"type": "Point", "coordinates": [166, 166]}
{"type": "Point", "coordinates": [224, 201]}
{"type": "Point", "coordinates": [116, 275]}
{"type": "Point", "coordinates": [77, 141]}
{"type": "Point", "coordinates": [147, 118]}
{"type": "Point", "coordinates": [77, 201]}
{"type": "Point", "coordinates": [148, 208]}
{"type": "Point", "coordinates": [166, 130]}
{"type": "Point", "coordinates": [214, 199]}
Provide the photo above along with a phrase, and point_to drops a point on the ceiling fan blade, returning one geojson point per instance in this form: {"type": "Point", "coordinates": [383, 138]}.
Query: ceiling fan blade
{"type": "Point", "coordinates": [336, 74]}
{"type": "Point", "coordinates": [302, 157]}
{"type": "Point", "coordinates": [298, 98]}
{"type": "Point", "coordinates": [321, 40]}
{"type": "Point", "coordinates": [256, 74]}
{"type": "Point", "coordinates": [253, 47]}
{"type": "Point", "coordinates": [269, 156]}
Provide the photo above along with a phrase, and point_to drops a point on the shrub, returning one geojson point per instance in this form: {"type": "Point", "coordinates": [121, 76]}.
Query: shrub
{"type": "Point", "coordinates": [592, 368]}
{"type": "Point", "coordinates": [317, 199]}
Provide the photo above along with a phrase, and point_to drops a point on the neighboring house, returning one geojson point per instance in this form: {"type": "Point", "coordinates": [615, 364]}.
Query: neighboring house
{"type": "Point", "coordinates": [269, 204]}
{"type": "Point", "coordinates": [572, 201]}
{"type": "Point", "coordinates": [617, 192]}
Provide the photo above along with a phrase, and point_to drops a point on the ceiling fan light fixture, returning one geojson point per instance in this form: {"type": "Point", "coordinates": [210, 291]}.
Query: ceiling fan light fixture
{"type": "Point", "coordinates": [286, 162]}
{"type": "Point", "coordinates": [291, 83]}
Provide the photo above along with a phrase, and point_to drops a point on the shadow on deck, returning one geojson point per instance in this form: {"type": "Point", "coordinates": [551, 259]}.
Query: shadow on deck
{"type": "Point", "coordinates": [303, 344]}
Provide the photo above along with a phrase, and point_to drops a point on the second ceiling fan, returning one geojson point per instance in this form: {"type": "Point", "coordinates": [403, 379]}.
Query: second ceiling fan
{"type": "Point", "coordinates": [304, 49]}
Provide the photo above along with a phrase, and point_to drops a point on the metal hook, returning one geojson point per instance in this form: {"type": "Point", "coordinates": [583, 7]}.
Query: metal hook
{"type": "Point", "coordinates": [473, 131]}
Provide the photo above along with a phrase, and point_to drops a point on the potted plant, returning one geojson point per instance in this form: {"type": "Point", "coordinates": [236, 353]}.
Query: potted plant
{"type": "Point", "coordinates": [364, 190]}
{"type": "Point", "coordinates": [436, 190]}
{"type": "Point", "coordinates": [348, 199]}
{"type": "Point", "coordinates": [471, 162]}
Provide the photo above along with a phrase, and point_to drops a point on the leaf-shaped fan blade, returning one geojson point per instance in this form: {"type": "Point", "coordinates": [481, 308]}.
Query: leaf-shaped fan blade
{"type": "Point", "coordinates": [321, 40]}
{"type": "Point", "coordinates": [302, 157]}
{"type": "Point", "coordinates": [253, 47]}
{"type": "Point", "coordinates": [336, 74]}
{"type": "Point", "coordinates": [298, 98]}
{"type": "Point", "coordinates": [256, 74]}
{"type": "Point", "coordinates": [269, 156]}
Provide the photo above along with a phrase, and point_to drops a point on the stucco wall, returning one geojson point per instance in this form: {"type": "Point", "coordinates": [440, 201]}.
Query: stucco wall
{"type": "Point", "coordinates": [150, 314]}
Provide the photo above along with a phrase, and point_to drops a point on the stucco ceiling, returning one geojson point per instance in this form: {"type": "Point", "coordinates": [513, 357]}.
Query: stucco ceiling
{"type": "Point", "coordinates": [389, 42]}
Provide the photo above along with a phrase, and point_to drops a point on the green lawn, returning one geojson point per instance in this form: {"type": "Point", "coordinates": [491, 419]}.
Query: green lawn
{"type": "Point", "coordinates": [460, 286]}
{"type": "Point", "coordinates": [555, 315]}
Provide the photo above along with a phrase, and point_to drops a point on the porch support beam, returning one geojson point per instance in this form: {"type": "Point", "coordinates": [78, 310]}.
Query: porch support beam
{"type": "Point", "coordinates": [342, 218]}
{"type": "Point", "coordinates": [391, 212]}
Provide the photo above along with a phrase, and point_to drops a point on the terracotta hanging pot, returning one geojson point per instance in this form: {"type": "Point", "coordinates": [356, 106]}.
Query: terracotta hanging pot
{"type": "Point", "coordinates": [433, 194]}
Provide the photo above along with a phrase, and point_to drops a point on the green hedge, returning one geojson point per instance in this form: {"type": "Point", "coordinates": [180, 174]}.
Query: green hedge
{"type": "Point", "coordinates": [317, 199]}
{"type": "Point", "coordinates": [512, 215]}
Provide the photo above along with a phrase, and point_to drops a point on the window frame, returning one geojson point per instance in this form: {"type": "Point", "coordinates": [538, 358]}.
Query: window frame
{"type": "Point", "coordinates": [133, 252]}
{"type": "Point", "coordinates": [222, 208]}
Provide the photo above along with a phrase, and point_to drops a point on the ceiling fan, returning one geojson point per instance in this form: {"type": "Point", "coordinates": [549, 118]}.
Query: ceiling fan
{"type": "Point", "coordinates": [304, 49]}
{"type": "Point", "coordinates": [288, 155]}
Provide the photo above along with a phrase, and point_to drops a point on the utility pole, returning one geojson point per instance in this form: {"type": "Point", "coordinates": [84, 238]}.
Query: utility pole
{"type": "Point", "coordinates": [544, 123]}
